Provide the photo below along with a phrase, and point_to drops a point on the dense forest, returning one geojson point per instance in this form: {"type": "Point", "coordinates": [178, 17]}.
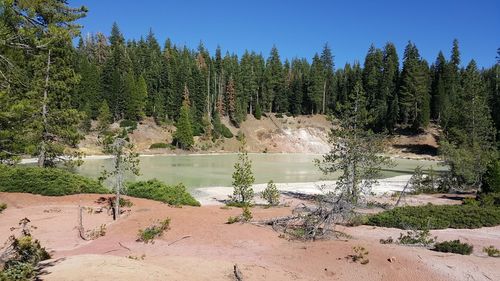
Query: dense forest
{"type": "Point", "coordinates": [50, 89]}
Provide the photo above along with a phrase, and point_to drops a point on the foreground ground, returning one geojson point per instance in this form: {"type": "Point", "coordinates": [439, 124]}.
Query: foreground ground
{"type": "Point", "coordinates": [210, 247]}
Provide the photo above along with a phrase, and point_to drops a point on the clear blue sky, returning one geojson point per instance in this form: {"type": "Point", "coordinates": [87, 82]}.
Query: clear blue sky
{"type": "Point", "coordinates": [300, 28]}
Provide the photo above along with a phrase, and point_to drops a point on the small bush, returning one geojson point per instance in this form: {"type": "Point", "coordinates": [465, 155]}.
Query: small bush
{"type": "Point", "coordinates": [130, 125]}
{"type": "Point", "coordinates": [454, 246]}
{"type": "Point", "coordinates": [279, 115]}
{"type": "Point", "coordinates": [490, 199]}
{"type": "Point", "coordinates": [416, 238]}
{"type": "Point", "coordinates": [225, 132]}
{"type": "Point", "coordinates": [21, 254]}
{"type": "Point", "coordinates": [492, 251]}
{"type": "Point", "coordinates": [491, 181]}
{"type": "Point", "coordinates": [271, 194]}
{"type": "Point", "coordinates": [360, 254]}
{"type": "Point", "coordinates": [154, 231]}
{"type": "Point", "coordinates": [156, 190]}
{"type": "Point", "coordinates": [240, 136]}
{"type": "Point", "coordinates": [46, 181]}
{"type": "Point", "coordinates": [437, 217]}
{"type": "Point", "coordinates": [389, 240]}
{"type": "Point", "coordinates": [3, 206]}
{"type": "Point", "coordinates": [159, 145]}
{"type": "Point", "coordinates": [238, 204]}
{"type": "Point", "coordinates": [357, 220]}
{"type": "Point", "coordinates": [245, 216]}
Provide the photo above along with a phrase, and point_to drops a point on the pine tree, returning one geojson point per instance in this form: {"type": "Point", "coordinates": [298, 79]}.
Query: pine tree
{"type": "Point", "coordinates": [104, 118]}
{"type": "Point", "coordinates": [372, 79]}
{"type": "Point", "coordinates": [243, 177]}
{"type": "Point", "coordinates": [231, 102]}
{"type": "Point", "coordinates": [356, 150]}
{"type": "Point", "coordinates": [469, 144]}
{"type": "Point", "coordinates": [274, 98]}
{"type": "Point", "coordinates": [316, 84]}
{"type": "Point", "coordinates": [414, 92]}
{"type": "Point", "coordinates": [439, 100]}
{"type": "Point", "coordinates": [328, 68]}
{"type": "Point", "coordinates": [183, 136]}
{"type": "Point", "coordinates": [389, 85]}
{"type": "Point", "coordinates": [45, 30]}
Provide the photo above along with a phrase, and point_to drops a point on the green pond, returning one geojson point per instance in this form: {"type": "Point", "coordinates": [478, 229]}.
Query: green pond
{"type": "Point", "coordinates": [216, 170]}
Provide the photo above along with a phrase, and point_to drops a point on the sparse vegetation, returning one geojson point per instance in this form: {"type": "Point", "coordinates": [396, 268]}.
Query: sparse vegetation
{"type": "Point", "coordinates": [130, 125]}
{"type": "Point", "coordinates": [437, 217]}
{"type": "Point", "coordinates": [245, 216]}
{"type": "Point", "coordinates": [46, 181]}
{"type": "Point", "coordinates": [416, 238]}
{"type": "Point", "coordinates": [271, 194]}
{"type": "Point", "coordinates": [492, 251]}
{"type": "Point", "coordinates": [21, 254]}
{"type": "Point", "coordinates": [360, 254]}
{"type": "Point", "coordinates": [454, 246]}
{"type": "Point", "coordinates": [154, 189]}
{"type": "Point", "coordinates": [3, 206]}
{"type": "Point", "coordinates": [96, 233]}
{"type": "Point", "coordinates": [153, 231]}
{"type": "Point", "coordinates": [160, 145]}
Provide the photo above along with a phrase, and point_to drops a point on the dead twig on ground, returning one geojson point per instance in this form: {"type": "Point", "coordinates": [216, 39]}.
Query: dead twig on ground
{"type": "Point", "coordinates": [237, 273]}
{"type": "Point", "coordinates": [175, 241]}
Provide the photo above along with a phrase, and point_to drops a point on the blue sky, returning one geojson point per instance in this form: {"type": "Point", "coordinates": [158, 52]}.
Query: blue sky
{"type": "Point", "coordinates": [300, 28]}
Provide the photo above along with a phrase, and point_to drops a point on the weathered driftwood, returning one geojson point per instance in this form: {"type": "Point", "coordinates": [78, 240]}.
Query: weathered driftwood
{"type": "Point", "coordinates": [310, 222]}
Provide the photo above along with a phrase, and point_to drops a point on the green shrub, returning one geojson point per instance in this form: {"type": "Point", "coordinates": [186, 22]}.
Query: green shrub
{"type": "Point", "coordinates": [3, 206]}
{"type": "Point", "coordinates": [245, 216]}
{"type": "Point", "coordinates": [46, 181]}
{"type": "Point", "coordinates": [437, 217]}
{"type": "Point", "coordinates": [357, 220]}
{"type": "Point", "coordinates": [258, 112]}
{"type": "Point", "coordinates": [492, 251]}
{"type": "Point", "coordinates": [157, 190]}
{"type": "Point", "coordinates": [23, 255]}
{"type": "Point", "coordinates": [491, 181]}
{"type": "Point", "coordinates": [271, 194]}
{"type": "Point", "coordinates": [131, 125]}
{"type": "Point", "coordinates": [151, 232]}
{"type": "Point", "coordinates": [454, 246]}
{"type": "Point", "coordinates": [238, 204]}
{"type": "Point", "coordinates": [225, 132]}
{"type": "Point", "coordinates": [159, 145]}
{"type": "Point", "coordinates": [490, 199]}
{"type": "Point", "coordinates": [416, 238]}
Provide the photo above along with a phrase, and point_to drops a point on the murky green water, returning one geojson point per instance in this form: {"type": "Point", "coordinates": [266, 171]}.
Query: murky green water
{"type": "Point", "coordinates": [216, 170]}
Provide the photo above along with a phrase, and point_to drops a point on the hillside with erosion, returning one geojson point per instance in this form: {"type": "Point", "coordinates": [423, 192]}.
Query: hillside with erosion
{"type": "Point", "coordinates": [272, 134]}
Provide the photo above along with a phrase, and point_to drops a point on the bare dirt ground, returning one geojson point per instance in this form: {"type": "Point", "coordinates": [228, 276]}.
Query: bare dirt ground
{"type": "Point", "coordinates": [210, 247]}
{"type": "Point", "coordinates": [301, 134]}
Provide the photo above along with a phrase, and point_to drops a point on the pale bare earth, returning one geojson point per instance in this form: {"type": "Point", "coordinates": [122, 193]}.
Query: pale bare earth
{"type": "Point", "coordinates": [210, 247]}
{"type": "Point", "coordinates": [301, 134]}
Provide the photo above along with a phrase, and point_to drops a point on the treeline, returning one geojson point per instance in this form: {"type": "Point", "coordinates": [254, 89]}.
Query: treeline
{"type": "Point", "coordinates": [50, 89]}
{"type": "Point", "coordinates": [141, 78]}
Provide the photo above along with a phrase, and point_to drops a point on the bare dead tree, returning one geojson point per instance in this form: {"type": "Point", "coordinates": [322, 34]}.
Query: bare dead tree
{"type": "Point", "coordinates": [314, 221]}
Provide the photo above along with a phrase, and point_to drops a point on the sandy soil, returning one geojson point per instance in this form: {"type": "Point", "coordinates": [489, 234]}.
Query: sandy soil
{"type": "Point", "coordinates": [301, 134]}
{"type": "Point", "coordinates": [211, 248]}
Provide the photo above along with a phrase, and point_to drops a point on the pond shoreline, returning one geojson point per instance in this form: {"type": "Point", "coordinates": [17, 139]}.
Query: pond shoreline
{"type": "Point", "coordinates": [108, 156]}
{"type": "Point", "coordinates": [216, 195]}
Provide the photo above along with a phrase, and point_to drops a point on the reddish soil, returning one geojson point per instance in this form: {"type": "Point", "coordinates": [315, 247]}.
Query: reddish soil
{"type": "Point", "coordinates": [211, 247]}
